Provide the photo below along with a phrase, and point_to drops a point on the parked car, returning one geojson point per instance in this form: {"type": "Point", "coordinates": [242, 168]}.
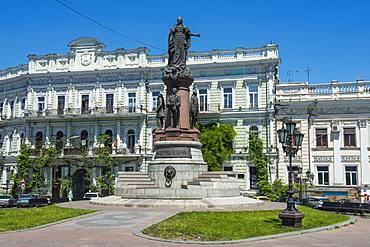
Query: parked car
{"type": "Point", "coordinates": [316, 201]}
{"type": "Point", "coordinates": [90, 195]}
{"type": "Point", "coordinates": [347, 206]}
{"type": "Point", "coordinates": [7, 201]}
{"type": "Point", "coordinates": [349, 200]}
{"type": "Point", "coordinates": [31, 200]}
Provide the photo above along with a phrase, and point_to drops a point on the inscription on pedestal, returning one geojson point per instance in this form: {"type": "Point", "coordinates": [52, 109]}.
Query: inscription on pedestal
{"type": "Point", "coordinates": [175, 152]}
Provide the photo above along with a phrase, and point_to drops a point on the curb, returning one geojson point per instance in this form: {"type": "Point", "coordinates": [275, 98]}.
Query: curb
{"type": "Point", "coordinates": [52, 223]}
{"type": "Point", "coordinates": [352, 220]}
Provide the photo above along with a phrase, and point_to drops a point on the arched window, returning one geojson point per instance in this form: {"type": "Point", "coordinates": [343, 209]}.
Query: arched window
{"type": "Point", "coordinates": [39, 139]}
{"type": "Point", "coordinates": [84, 138]}
{"type": "Point", "coordinates": [22, 138]}
{"type": "Point", "coordinates": [59, 142]}
{"type": "Point", "coordinates": [109, 141]}
{"type": "Point", "coordinates": [11, 142]}
{"type": "Point", "coordinates": [109, 133]}
{"type": "Point", "coordinates": [131, 140]}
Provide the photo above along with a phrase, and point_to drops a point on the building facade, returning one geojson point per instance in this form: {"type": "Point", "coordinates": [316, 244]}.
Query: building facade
{"type": "Point", "coordinates": [334, 118]}
{"type": "Point", "coordinates": [87, 92]}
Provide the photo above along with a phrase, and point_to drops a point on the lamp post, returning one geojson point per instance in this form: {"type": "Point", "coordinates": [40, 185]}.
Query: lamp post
{"type": "Point", "coordinates": [291, 140]}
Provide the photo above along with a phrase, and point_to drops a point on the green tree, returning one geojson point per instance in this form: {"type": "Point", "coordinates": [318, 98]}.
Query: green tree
{"type": "Point", "coordinates": [217, 144]}
{"type": "Point", "coordinates": [65, 186]}
{"type": "Point", "coordinates": [104, 159]}
{"type": "Point", "coordinates": [23, 167]}
{"type": "Point", "coordinates": [258, 158]}
{"type": "Point", "coordinates": [30, 169]}
{"type": "Point", "coordinates": [47, 158]}
{"type": "Point", "coordinates": [275, 191]}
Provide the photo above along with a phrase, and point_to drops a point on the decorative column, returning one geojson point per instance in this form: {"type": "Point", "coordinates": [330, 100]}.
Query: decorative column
{"type": "Point", "coordinates": [96, 133]}
{"type": "Point", "coordinates": [118, 134]}
{"type": "Point", "coordinates": [68, 134]}
{"type": "Point", "coordinates": [94, 175]}
{"type": "Point", "coordinates": [338, 168]}
{"type": "Point", "coordinates": [47, 134]}
{"type": "Point", "coordinates": [365, 168]}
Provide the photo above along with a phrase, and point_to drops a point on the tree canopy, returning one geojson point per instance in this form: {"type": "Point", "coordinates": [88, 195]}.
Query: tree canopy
{"type": "Point", "coordinates": [217, 144]}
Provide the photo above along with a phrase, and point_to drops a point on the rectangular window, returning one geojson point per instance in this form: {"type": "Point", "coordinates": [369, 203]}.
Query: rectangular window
{"type": "Point", "coordinates": [85, 104]}
{"type": "Point", "coordinates": [323, 175]}
{"type": "Point", "coordinates": [12, 108]}
{"type": "Point", "coordinates": [131, 102]}
{"type": "Point", "coordinates": [61, 103]}
{"type": "Point", "coordinates": [321, 137]}
{"type": "Point", "coordinates": [23, 104]}
{"type": "Point", "coordinates": [349, 137]}
{"type": "Point", "coordinates": [109, 102]}
{"type": "Point", "coordinates": [351, 175]}
{"type": "Point", "coordinates": [203, 100]}
{"type": "Point", "coordinates": [228, 168]}
{"type": "Point", "coordinates": [228, 97]}
{"type": "Point", "coordinates": [253, 96]}
{"type": "Point", "coordinates": [41, 103]}
{"type": "Point", "coordinates": [155, 95]}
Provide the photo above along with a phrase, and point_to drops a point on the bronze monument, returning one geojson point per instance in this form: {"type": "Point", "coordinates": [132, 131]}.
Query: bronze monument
{"type": "Point", "coordinates": [178, 79]}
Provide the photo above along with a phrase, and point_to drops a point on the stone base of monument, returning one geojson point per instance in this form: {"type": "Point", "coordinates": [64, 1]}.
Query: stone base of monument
{"type": "Point", "coordinates": [176, 134]}
{"type": "Point", "coordinates": [215, 203]}
{"type": "Point", "coordinates": [176, 172]}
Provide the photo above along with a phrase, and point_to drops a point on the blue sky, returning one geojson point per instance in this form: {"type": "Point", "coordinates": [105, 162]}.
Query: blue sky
{"type": "Point", "coordinates": [332, 37]}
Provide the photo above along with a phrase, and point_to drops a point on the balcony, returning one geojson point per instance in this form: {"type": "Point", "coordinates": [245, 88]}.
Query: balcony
{"type": "Point", "coordinates": [76, 151]}
{"type": "Point", "coordinates": [325, 91]}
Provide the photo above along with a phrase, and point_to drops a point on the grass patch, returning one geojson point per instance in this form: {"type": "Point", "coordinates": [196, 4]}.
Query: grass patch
{"type": "Point", "coordinates": [16, 219]}
{"type": "Point", "coordinates": [217, 226]}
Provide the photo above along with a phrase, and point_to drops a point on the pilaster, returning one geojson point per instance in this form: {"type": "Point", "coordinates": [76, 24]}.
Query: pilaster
{"type": "Point", "coordinates": [338, 168]}
{"type": "Point", "coordinates": [364, 142]}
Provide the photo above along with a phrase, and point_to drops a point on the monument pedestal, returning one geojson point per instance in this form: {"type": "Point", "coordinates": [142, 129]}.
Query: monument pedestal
{"type": "Point", "coordinates": [176, 134]}
{"type": "Point", "coordinates": [177, 171]}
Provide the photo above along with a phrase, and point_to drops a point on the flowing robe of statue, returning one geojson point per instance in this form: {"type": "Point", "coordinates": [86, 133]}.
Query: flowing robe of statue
{"type": "Point", "coordinates": [179, 40]}
{"type": "Point", "coordinates": [178, 44]}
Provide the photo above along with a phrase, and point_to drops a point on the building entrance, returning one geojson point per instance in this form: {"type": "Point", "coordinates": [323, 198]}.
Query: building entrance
{"type": "Point", "coordinates": [79, 185]}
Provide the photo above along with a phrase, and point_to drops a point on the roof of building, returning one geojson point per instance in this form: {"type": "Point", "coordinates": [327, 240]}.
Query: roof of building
{"type": "Point", "coordinates": [86, 41]}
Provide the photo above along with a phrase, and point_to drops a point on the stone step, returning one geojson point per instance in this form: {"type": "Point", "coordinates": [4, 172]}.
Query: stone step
{"type": "Point", "coordinates": [134, 176]}
{"type": "Point", "coordinates": [211, 179]}
{"type": "Point", "coordinates": [226, 173]}
{"type": "Point", "coordinates": [200, 183]}
{"type": "Point", "coordinates": [131, 173]}
{"type": "Point", "coordinates": [137, 182]}
{"type": "Point", "coordinates": [142, 186]}
{"type": "Point", "coordinates": [212, 176]}
{"type": "Point", "coordinates": [133, 179]}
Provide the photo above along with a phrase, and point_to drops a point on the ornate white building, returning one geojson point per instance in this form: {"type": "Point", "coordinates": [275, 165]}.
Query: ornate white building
{"type": "Point", "coordinates": [87, 92]}
{"type": "Point", "coordinates": [336, 143]}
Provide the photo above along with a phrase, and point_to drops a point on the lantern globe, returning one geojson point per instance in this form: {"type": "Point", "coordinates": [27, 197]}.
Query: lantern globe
{"type": "Point", "coordinates": [290, 127]}
{"type": "Point", "coordinates": [282, 134]}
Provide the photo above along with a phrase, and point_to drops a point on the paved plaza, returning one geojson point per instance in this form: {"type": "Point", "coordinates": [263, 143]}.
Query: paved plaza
{"type": "Point", "coordinates": [114, 227]}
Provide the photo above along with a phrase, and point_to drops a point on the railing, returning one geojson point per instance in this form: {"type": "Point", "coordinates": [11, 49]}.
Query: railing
{"type": "Point", "coordinates": [84, 111]}
{"type": "Point", "coordinates": [13, 72]}
{"type": "Point", "coordinates": [116, 59]}
{"type": "Point", "coordinates": [333, 90]}
{"type": "Point", "coordinates": [83, 151]}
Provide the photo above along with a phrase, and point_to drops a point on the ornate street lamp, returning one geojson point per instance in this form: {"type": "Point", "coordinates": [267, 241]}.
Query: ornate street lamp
{"type": "Point", "coordinates": [291, 140]}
